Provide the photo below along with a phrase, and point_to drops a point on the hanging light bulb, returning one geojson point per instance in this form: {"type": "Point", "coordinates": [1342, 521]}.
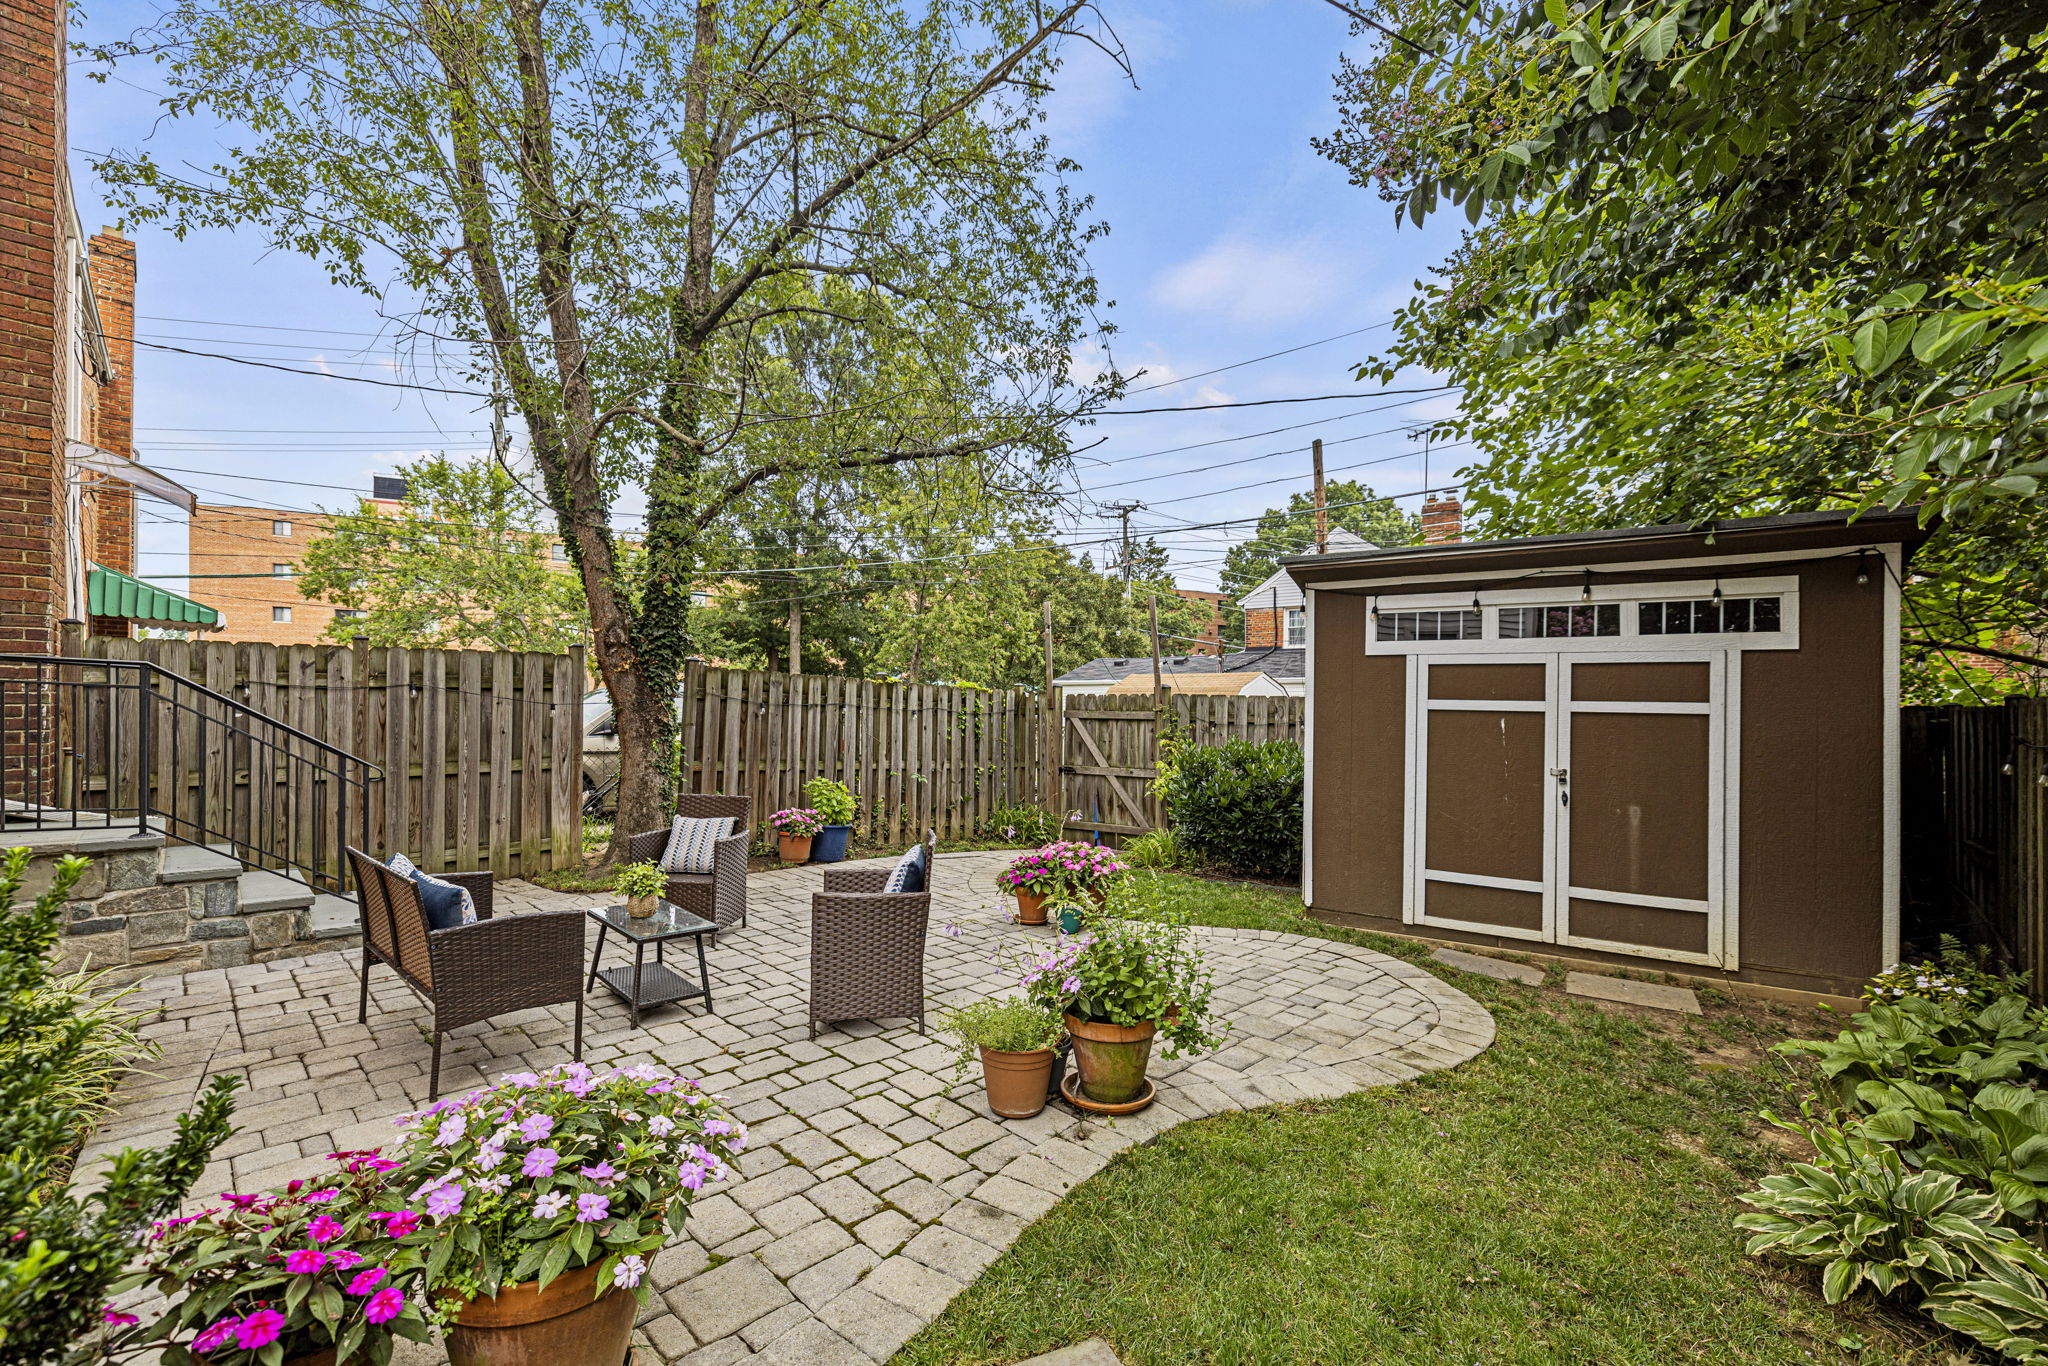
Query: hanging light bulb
{"type": "Point", "coordinates": [1586, 592]}
{"type": "Point", "coordinates": [2008, 768]}
{"type": "Point", "coordinates": [1375, 611]}
{"type": "Point", "coordinates": [1475, 600]}
{"type": "Point", "coordinates": [1717, 592]}
{"type": "Point", "coordinates": [1862, 567]}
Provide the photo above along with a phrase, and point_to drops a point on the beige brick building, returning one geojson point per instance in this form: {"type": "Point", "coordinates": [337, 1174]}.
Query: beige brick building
{"type": "Point", "coordinates": [266, 542]}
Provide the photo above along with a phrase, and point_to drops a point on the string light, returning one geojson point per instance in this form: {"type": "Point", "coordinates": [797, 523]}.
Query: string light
{"type": "Point", "coordinates": [1586, 592]}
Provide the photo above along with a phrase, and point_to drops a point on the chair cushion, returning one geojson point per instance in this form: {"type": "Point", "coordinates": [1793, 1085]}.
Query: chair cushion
{"type": "Point", "coordinates": [446, 904]}
{"type": "Point", "coordinates": [693, 843]}
{"type": "Point", "coordinates": [909, 873]}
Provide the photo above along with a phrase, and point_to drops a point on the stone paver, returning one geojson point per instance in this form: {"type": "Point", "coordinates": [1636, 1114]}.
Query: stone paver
{"type": "Point", "coordinates": [1630, 992]}
{"type": "Point", "coordinates": [870, 1196]}
{"type": "Point", "coordinates": [1093, 1352]}
{"type": "Point", "coordinates": [1526, 973]}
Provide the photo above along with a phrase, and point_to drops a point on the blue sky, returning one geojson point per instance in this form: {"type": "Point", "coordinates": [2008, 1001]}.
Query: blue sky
{"type": "Point", "coordinates": [1229, 239]}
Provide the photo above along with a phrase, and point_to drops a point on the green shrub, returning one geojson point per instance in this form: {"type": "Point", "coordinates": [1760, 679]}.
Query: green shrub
{"type": "Point", "coordinates": [106, 1047]}
{"type": "Point", "coordinates": [1238, 804]}
{"type": "Point", "coordinates": [831, 799]}
{"type": "Point", "coordinates": [61, 1252]}
{"type": "Point", "coordinates": [1954, 976]}
{"type": "Point", "coordinates": [1154, 849]}
{"type": "Point", "coordinates": [1026, 825]}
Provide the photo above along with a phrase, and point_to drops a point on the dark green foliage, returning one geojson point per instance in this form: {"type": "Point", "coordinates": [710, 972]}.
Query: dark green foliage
{"type": "Point", "coordinates": [59, 1251]}
{"type": "Point", "coordinates": [1029, 825]}
{"type": "Point", "coordinates": [1238, 804]}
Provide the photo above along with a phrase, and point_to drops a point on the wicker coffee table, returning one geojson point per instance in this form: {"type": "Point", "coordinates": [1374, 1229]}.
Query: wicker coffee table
{"type": "Point", "coordinates": [651, 984]}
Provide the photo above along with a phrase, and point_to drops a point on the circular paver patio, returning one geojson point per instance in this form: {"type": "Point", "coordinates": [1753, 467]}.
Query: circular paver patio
{"type": "Point", "coordinates": [869, 1197]}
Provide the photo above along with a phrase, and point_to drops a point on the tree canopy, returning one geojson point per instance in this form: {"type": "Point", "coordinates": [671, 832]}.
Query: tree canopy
{"type": "Point", "coordinates": [1291, 530]}
{"type": "Point", "coordinates": [1733, 259]}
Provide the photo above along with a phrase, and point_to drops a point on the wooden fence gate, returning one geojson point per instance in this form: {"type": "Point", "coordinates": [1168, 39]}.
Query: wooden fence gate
{"type": "Point", "coordinates": [1975, 843]}
{"type": "Point", "coordinates": [1110, 749]}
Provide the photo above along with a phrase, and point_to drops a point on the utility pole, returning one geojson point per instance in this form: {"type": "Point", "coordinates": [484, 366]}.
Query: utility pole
{"type": "Point", "coordinates": [1049, 717]}
{"type": "Point", "coordinates": [1158, 684]}
{"type": "Point", "coordinates": [1322, 510]}
{"type": "Point", "coordinates": [1124, 511]}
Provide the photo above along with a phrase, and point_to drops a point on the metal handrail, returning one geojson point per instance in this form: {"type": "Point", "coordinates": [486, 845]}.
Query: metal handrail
{"type": "Point", "coordinates": [65, 729]}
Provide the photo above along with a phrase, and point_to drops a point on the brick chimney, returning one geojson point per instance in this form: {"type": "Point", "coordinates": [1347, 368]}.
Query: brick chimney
{"type": "Point", "coordinates": [1443, 520]}
{"type": "Point", "coordinates": [111, 264]}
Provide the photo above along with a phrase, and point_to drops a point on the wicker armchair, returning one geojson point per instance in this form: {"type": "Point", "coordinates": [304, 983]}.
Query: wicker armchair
{"type": "Point", "coordinates": [867, 946]}
{"type": "Point", "coordinates": [720, 896]}
{"type": "Point", "coordinates": [470, 972]}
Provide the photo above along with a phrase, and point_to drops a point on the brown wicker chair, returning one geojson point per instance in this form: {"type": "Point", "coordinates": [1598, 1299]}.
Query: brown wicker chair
{"type": "Point", "coordinates": [720, 896]}
{"type": "Point", "coordinates": [867, 946]}
{"type": "Point", "coordinates": [471, 972]}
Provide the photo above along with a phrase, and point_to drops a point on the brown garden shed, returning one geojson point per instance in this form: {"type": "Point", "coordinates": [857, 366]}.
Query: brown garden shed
{"type": "Point", "coordinates": [1673, 746]}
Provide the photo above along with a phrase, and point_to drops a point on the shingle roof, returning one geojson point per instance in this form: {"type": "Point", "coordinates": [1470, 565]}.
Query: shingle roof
{"type": "Point", "coordinates": [1221, 685]}
{"type": "Point", "coordinates": [1284, 665]}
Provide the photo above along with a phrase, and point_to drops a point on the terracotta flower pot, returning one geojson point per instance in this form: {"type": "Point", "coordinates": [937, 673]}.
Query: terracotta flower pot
{"type": "Point", "coordinates": [1030, 907]}
{"type": "Point", "coordinates": [640, 907]}
{"type": "Point", "coordinates": [526, 1326]}
{"type": "Point", "coordinates": [1111, 1059]}
{"type": "Point", "coordinates": [1017, 1082]}
{"type": "Point", "coordinates": [793, 848]}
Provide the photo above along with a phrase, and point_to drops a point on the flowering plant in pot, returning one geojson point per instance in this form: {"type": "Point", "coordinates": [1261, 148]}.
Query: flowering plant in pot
{"type": "Point", "coordinates": [313, 1272]}
{"type": "Point", "coordinates": [641, 884]}
{"type": "Point", "coordinates": [833, 801]}
{"type": "Point", "coordinates": [538, 1203]}
{"type": "Point", "coordinates": [1130, 979]}
{"type": "Point", "coordinates": [795, 827]}
{"type": "Point", "coordinates": [1064, 870]}
{"type": "Point", "coordinates": [1015, 1038]}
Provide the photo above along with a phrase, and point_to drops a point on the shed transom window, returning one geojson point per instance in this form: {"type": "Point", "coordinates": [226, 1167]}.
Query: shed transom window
{"type": "Point", "coordinates": [1456, 625]}
{"type": "Point", "coordinates": [1582, 619]}
{"type": "Point", "coordinates": [1705, 616]}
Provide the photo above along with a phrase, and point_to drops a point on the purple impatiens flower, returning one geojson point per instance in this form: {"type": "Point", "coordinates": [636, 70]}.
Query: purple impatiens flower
{"type": "Point", "coordinates": [540, 1162]}
{"type": "Point", "coordinates": [445, 1201]}
{"type": "Point", "coordinates": [590, 1208]}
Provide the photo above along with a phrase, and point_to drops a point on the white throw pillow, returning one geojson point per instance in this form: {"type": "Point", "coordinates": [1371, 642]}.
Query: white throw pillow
{"type": "Point", "coordinates": [693, 843]}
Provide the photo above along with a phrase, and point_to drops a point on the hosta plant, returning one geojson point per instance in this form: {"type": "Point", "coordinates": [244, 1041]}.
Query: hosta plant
{"type": "Point", "coordinates": [1956, 976]}
{"type": "Point", "coordinates": [543, 1173]}
{"type": "Point", "coordinates": [1954, 1048]}
{"type": "Point", "coordinates": [263, 1278]}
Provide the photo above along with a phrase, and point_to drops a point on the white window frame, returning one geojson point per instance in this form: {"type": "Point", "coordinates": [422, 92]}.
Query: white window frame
{"type": "Point", "coordinates": [1294, 628]}
{"type": "Point", "coordinates": [280, 527]}
{"type": "Point", "coordinates": [280, 619]}
{"type": "Point", "coordinates": [280, 571]}
{"type": "Point", "coordinates": [1784, 587]}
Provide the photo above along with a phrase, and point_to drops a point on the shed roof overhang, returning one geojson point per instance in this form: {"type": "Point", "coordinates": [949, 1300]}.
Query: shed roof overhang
{"type": "Point", "coordinates": [1790, 534]}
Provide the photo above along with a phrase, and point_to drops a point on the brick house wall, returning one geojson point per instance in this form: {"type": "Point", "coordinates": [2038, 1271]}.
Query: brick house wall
{"type": "Point", "coordinates": [1210, 630]}
{"type": "Point", "coordinates": [35, 304]}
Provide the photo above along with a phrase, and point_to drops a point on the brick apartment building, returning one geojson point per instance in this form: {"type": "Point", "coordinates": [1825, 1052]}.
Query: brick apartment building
{"type": "Point", "coordinates": [68, 472]}
{"type": "Point", "coordinates": [1209, 634]}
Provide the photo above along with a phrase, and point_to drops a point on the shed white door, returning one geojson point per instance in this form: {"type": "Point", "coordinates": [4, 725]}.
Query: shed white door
{"type": "Point", "coordinates": [1571, 800]}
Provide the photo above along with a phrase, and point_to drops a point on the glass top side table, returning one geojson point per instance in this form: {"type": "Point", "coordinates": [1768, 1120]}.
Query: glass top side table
{"type": "Point", "coordinates": [646, 984]}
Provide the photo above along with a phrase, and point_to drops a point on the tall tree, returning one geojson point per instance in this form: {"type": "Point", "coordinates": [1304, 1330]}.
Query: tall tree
{"type": "Point", "coordinates": [1291, 530]}
{"type": "Point", "coordinates": [615, 206]}
{"type": "Point", "coordinates": [1733, 260]}
{"type": "Point", "coordinates": [465, 563]}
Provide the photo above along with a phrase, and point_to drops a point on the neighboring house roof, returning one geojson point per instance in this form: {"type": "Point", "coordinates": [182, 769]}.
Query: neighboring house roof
{"type": "Point", "coordinates": [1280, 592]}
{"type": "Point", "coordinates": [1218, 684]}
{"type": "Point", "coordinates": [1280, 665]}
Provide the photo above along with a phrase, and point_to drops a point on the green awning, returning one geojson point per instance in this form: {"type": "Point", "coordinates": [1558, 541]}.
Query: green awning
{"type": "Point", "coordinates": [110, 593]}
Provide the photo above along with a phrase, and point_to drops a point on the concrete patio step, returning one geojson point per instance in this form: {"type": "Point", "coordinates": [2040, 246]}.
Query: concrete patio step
{"type": "Point", "coordinates": [266, 891]}
{"type": "Point", "coordinates": [330, 917]}
{"type": "Point", "coordinates": [191, 863]}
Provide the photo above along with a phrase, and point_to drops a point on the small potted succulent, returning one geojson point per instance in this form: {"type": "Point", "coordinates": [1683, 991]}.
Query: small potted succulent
{"type": "Point", "coordinates": [1062, 872]}
{"type": "Point", "coordinates": [312, 1273]}
{"type": "Point", "coordinates": [641, 884]}
{"type": "Point", "coordinates": [1124, 983]}
{"type": "Point", "coordinates": [1016, 1038]}
{"type": "Point", "coordinates": [833, 802]}
{"type": "Point", "coordinates": [539, 1202]}
{"type": "Point", "coordinates": [795, 827]}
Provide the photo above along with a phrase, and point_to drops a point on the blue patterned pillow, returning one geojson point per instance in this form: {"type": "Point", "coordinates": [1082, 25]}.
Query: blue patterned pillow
{"type": "Point", "coordinates": [909, 873]}
{"type": "Point", "coordinates": [446, 904]}
{"type": "Point", "coordinates": [693, 843]}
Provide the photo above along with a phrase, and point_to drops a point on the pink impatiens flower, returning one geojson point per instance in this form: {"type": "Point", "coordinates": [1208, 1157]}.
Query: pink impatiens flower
{"type": "Point", "coordinates": [366, 1281]}
{"type": "Point", "coordinates": [116, 1318]}
{"type": "Point", "coordinates": [385, 1305]}
{"type": "Point", "coordinates": [216, 1335]}
{"type": "Point", "coordinates": [325, 1228]}
{"type": "Point", "coordinates": [259, 1329]}
{"type": "Point", "coordinates": [305, 1261]}
{"type": "Point", "coordinates": [591, 1208]}
{"type": "Point", "coordinates": [319, 1197]}
{"type": "Point", "coordinates": [401, 1223]}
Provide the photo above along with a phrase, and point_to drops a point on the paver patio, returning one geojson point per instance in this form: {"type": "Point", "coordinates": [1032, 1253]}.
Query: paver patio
{"type": "Point", "coordinates": [868, 1198]}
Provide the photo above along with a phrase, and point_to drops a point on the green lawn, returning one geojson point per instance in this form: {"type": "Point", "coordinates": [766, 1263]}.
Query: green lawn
{"type": "Point", "coordinates": [1564, 1197]}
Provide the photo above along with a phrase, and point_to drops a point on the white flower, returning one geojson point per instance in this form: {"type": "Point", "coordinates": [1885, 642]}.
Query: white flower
{"type": "Point", "coordinates": [551, 1204]}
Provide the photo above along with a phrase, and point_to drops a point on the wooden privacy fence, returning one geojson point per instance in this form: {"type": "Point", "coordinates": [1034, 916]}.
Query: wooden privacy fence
{"type": "Point", "coordinates": [481, 751]}
{"type": "Point", "coordinates": [1975, 811]}
{"type": "Point", "coordinates": [1109, 750]}
{"type": "Point", "coordinates": [917, 756]}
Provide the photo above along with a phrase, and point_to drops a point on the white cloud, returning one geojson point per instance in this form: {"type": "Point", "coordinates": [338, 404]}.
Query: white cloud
{"type": "Point", "coordinates": [1256, 282]}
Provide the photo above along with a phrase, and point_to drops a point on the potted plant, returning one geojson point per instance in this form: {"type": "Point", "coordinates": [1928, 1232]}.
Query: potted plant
{"type": "Point", "coordinates": [641, 884]}
{"type": "Point", "coordinates": [1130, 979]}
{"type": "Point", "coordinates": [835, 807]}
{"type": "Point", "coordinates": [1063, 871]}
{"type": "Point", "coordinates": [1016, 1038]}
{"type": "Point", "coordinates": [305, 1275]}
{"type": "Point", "coordinates": [538, 1203]}
{"type": "Point", "coordinates": [795, 827]}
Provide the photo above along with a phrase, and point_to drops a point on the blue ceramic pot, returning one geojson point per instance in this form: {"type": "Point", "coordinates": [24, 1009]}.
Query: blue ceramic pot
{"type": "Point", "coordinates": [829, 846]}
{"type": "Point", "coordinates": [1070, 921]}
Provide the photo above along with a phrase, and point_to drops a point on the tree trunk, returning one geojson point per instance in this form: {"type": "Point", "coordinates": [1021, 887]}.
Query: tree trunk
{"type": "Point", "coordinates": [796, 636]}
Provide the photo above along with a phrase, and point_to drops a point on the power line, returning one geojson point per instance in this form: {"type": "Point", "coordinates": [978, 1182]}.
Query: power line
{"type": "Point", "coordinates": [1270, 355]}
{"type": "Point", "coordinates": [1263, 402]}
